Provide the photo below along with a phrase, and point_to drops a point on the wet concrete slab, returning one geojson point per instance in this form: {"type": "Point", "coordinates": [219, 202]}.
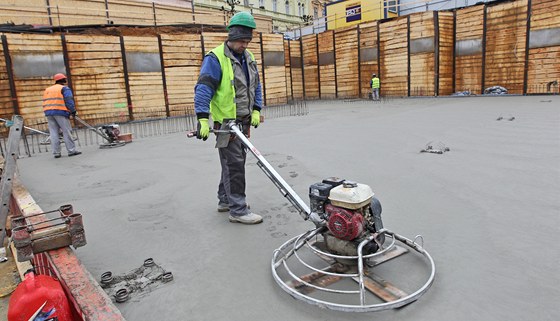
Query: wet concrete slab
{"type": "Point", "coordinates": [488, 209]}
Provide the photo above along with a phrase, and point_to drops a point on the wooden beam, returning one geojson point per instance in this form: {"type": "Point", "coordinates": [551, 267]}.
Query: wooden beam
{"type": "Point", "coordinates": [527, 39]}
{"type": "Point", "coordinates": [163, 78]}
{"type": "Point", "coordinates": [126, 80]}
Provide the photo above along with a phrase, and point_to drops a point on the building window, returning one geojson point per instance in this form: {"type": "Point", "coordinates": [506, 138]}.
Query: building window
{"type": "Point", "coordinates": [287, 7]}
{"type": "Point", "coordinates": [392, 6]}
{"type": "Point", "coordinates": [315, 13]}
{"type": "Point", "coordinates": [275, 5]}
{"type": "Point", "coordinates": [246, 3]}
{"type": "Point", "coordinates": [261, 4]}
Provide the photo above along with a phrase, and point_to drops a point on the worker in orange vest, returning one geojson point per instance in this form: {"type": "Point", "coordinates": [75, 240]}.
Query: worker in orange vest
{"type": "Point", "coordinates": [58, 105]}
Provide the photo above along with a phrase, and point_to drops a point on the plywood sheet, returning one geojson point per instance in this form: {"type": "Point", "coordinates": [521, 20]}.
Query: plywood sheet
{"type": "Point", "coordinates": [506, 27]}
{"type": "Point", "coordinates": [347, 61]}
{"type": "Point", "coordinates": [394, 57]}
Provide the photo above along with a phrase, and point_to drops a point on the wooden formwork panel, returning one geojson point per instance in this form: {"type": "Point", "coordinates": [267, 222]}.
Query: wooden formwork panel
{"type": "Point", "coordinates": [29, 89]}
{"type": "Point", "coordinates": [468, 68]}
{"type": "Point", "coordinates": [146, 87]}
{"type": "Point", "coordinates": [24, 12]}
{"type": "Point", "coordinates": [214, 39]}
{"type": "Point", "coordinates": [98, 81]}
{"type": "Point", "coordinates": [544, 14]}
{"type": "Point", "coordinates": [210, 17]}
{"type": "Point", "coordinates": [394, 57]}
{"type": "Point", "coordinates": [347, 62]}
{"type": "Point", "coordinates": [544, 62]}
{"type": "Point", "coordinates": [129, 12]}
{"type": "Point", "coordinates": [76, 12]}
{"type": "Point", "coordinates": [327, 65]}
{"type": "Point", "coordinates": [506, 27]}
{"type": "Point", "coordinates": [173, 15]}
{"type": "Point", "coordinates": [445, 52]}
{"type": "Point", "coordinates": [182, 56]}
{"type": "Point", "coordinates": [421, 25]}
{"type": "Point", "coordinates": [368, 65]}
{"type": "Point", "coordinates": [274, 75]}
{"type": "Point", "coordinates": [295, 69]}
{"type": "Point", "coordinates": [311, 78]}
{"type": "Point", "coordinates": [422, 64]}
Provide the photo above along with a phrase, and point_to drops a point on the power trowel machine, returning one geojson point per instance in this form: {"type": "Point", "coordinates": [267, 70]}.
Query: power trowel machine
{"type": "Point", "coordinates": [332, 265]}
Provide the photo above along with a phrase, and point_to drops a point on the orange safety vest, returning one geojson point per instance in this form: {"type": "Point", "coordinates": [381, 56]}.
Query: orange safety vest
{"type": "Point", "coordinates": [53, 98]}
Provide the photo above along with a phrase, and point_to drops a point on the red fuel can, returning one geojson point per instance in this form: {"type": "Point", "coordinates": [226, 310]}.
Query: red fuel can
{"type": "Point", "coordinates": [39, 298]}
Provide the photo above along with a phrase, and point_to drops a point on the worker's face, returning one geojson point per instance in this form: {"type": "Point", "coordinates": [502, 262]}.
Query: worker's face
{"type": "Point", "coordinates": [239, 46]}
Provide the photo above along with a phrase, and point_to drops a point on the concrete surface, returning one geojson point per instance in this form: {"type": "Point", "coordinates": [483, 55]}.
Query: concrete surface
{"type": "Point", "coordinates": [489, 209]}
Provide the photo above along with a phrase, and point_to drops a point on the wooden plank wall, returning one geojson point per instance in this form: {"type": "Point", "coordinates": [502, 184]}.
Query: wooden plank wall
{"type": "Point", "coordinates": [96, 68]}
{"type": "Point", "coordinates": [347, 61]}
{"type": "Point", "coordinates": [296, 69]}
{"type": "Point", "coordinates": [146, 87]}
{"type": "Point", "coordinates": [274, 75]}
{"type": "Point", "coordinates": [445, 72]}
{"type": "Point", "coordinates": [369, 52]}
{"type": "Point", "coordinates": [29, 90]}
{"type": "Point", "coordinates": [182, 56]}
{"type": "Point", "coordinates": [506, 27]}
{"type": "Point", "coordinates": [422, 64]}
{"type": "Point", "coordinates": [327, 65]}
{"type": "Point", "coordinates": [394, 57]}
{"type": "Point", "coordinates": [311, 77]}
{"type": "Point", "coordinates": [544, 62]}
{"type": "Point", "coordinates": [24, 12]}
{"type": "Point", "coordinates": [76, 12]}
{"type": "Point", "coordinates": [468, 67]}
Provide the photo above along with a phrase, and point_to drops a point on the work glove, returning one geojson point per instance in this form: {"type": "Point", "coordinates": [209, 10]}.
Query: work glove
{"type": "Point", "coordinates": [202, 129]}
{"type": "Point", "coordinates": [74, 113]}
{"type": "Point", "coordinates": [255, 118]}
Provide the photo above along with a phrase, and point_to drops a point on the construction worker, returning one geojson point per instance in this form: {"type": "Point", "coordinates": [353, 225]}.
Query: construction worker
{"type": "Point", "coordinates": [58, 105]}
{"type": "Point", "coordinates": [374, 83]}
{"type": "Point", "coordinates": [229, 88]}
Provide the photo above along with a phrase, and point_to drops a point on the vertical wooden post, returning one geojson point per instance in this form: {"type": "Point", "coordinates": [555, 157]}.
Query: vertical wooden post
{"type": "Point", "coordinates": [484, 19]}
{"type": "Point", "coordinates": [408, 54]}
{"type": "Point", "coordinates": [263, 73]}
{"type": "Point", "coordinates": [67, 64]}
{"type": "Point", "coordinates": [453, 83]}
{"type": "Point", "coordinates": [48, 4]}
{"type": "Point", "coordinates": [163, 78]}
{"type": "Point", "coordinates": [527, 42]}
{"type": "Point", "coordinates": [302, 65]}
{"type": "Point", "coordinates": [291, 75]}
{"type": "Point", "coordinates": [436, 53]}
{"type": "Point", "coordinates": [379, 57]}
{"type": "Point", "coordinates": [202, 45]}
{"type": "Point", "coordinates": [10, 73]}
{"type": "Point", "coordinates": [335, 74]}
{"type": "Point", "coordinates": [318, 64]}
{"type": "Point", "coordinates": [126, 80]}
{"type": "Point", "coordinates": [359, 31]}
{"type": "Point", "coordinates": [107, 12]}
{"type": "Point", "coordinates": [154, 13]}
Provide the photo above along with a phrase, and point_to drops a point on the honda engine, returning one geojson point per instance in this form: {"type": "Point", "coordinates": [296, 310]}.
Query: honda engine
{"type": "Point", "coordinates": [351, 212]}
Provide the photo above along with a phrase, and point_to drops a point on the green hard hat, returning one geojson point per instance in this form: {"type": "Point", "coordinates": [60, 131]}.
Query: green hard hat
{"type": "Point", "coordinates": [244, 19]}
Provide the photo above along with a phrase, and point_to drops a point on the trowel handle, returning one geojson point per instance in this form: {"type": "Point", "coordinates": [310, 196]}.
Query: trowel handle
{"type": "Point", "coordinates": [192, 134]}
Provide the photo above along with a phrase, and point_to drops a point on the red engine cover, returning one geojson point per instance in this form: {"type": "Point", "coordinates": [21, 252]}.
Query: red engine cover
{"type": "Point", "coordinates": [344, 224]}
{"type": "Point", "coordinates": [39, 297]}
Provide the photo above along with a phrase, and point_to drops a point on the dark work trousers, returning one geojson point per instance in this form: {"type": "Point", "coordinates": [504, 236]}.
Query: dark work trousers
{"type": "Point", "coordinates": [232, 183]}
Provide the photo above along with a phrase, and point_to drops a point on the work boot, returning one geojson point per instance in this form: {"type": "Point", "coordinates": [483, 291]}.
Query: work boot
{"type": "Point", "coordinates": [250, 218]}
{"type": "Point", "coordinates": [57, 155]}
{"type": "Point", "coordinates": [74, 153]}
{"type": "Point", "coordinates": [223, 207]}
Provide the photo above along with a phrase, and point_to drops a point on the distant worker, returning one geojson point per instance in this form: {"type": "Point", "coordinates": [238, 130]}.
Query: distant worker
{"type": "Point", "coordinates": [229, 88]}
{"type": "Point", "coordinates": [58, 105]}
{"type": "Point", "coordinates": [374, 83]}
